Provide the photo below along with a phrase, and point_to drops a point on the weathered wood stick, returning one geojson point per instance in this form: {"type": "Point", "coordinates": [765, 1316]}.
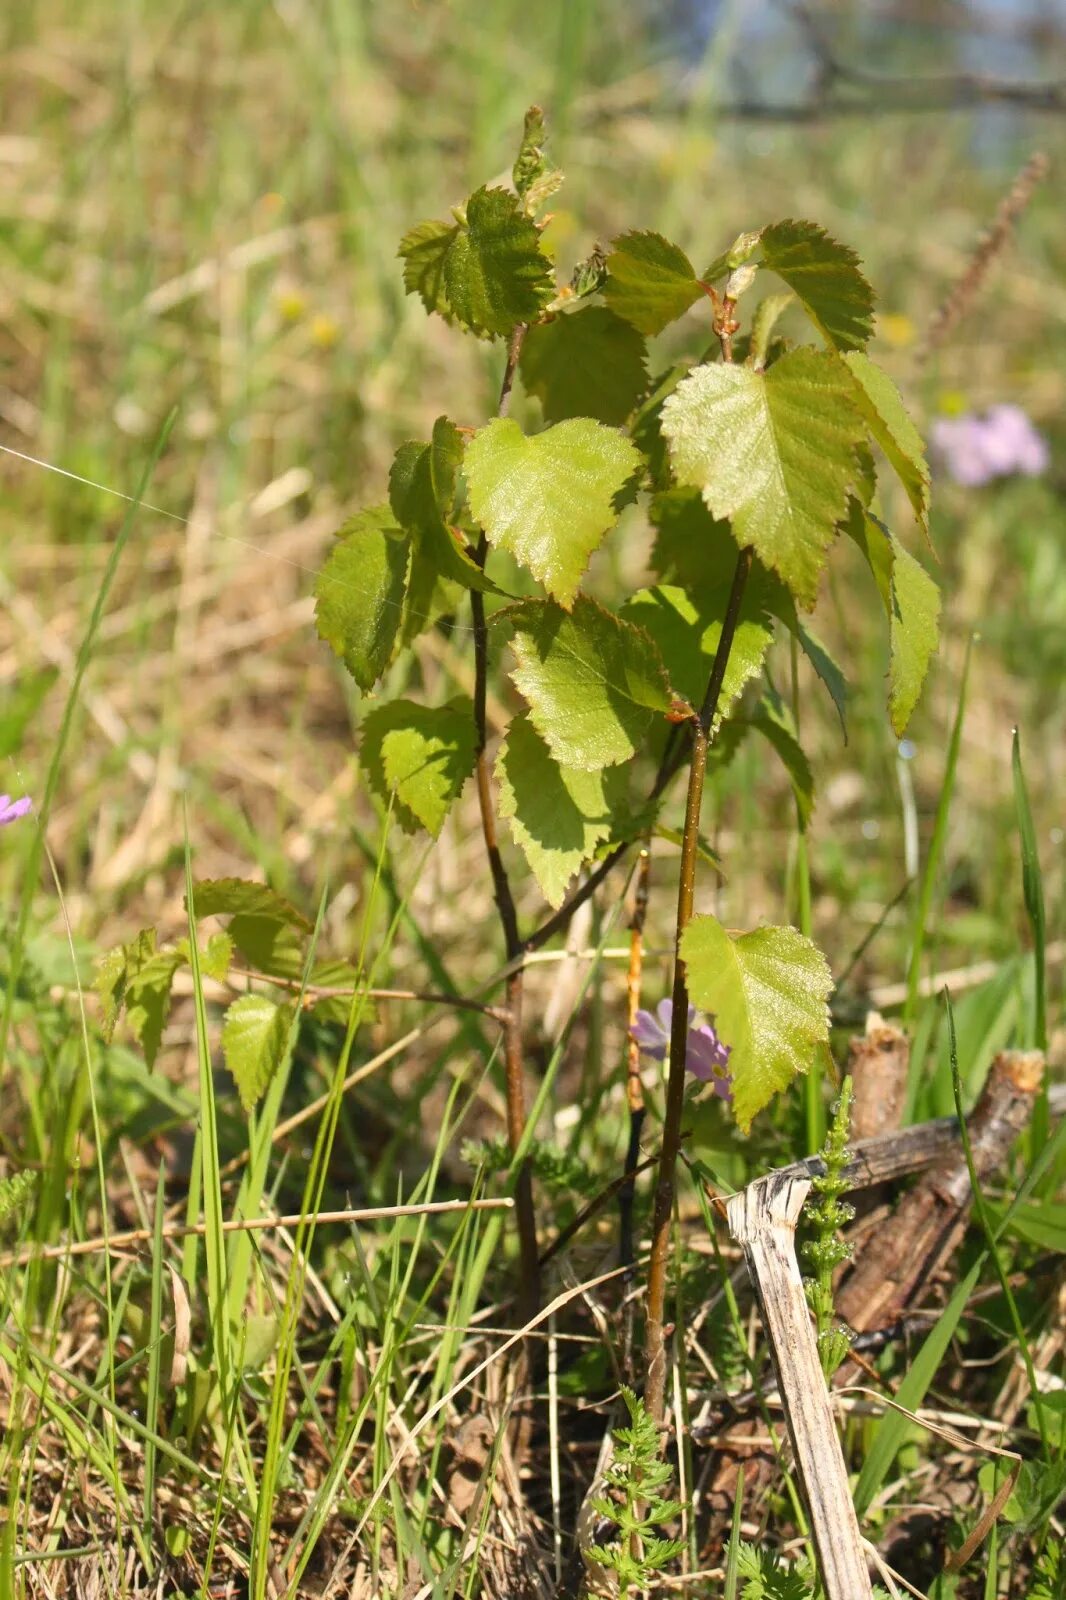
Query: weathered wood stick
{"type": "Point", "coordinates": [929, 1222]}
{"type": "Point", "coordinates": [878, 1060]}
{"type": "Point", "coordinates": [878, 1066]}
{"type": "Point", "coordinates": [762, 1219]}
{"type": "Point", "coordinates": [894, 1155]}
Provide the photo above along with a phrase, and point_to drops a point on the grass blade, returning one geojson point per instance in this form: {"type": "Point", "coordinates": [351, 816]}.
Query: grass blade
{"type": "Point", "coordinates": [155, 1334]}
{"type": "Point", "coordinates": [891, 1431]}
{"type": "Point", "coordinates": [1033, 892]}
{"type": "Point", "coordinates": [44, 809]}
{"type": "Point", "coordinates": [936, 846]}
{"type": "Point", "coordinates": [733, 1551]}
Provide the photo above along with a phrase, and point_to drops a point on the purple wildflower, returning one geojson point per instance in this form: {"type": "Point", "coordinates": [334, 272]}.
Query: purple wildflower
{"type": "Point", "coordinates": [11, 810]}
{"type": "Point", "coordinates": [706, 1057]}
{"type": "Point", "coordinates": [976, 449]}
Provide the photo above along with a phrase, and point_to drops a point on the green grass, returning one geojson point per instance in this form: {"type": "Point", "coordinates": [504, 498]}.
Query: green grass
{"type": "Point", "coordinates": [200, 212]}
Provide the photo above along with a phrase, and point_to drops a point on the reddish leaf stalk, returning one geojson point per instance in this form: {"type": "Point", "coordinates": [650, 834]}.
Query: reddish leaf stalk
{"type": "Point", "coordinates": [514, 1064]}
{"type": "Point", "coordinates": [655, 1343]}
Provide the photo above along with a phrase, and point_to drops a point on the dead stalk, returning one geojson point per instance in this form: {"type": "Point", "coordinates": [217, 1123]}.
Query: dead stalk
{"type": "Point", "coordinates": [762, 1219]}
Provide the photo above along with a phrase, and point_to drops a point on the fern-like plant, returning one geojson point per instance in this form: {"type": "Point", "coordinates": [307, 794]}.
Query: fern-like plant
{"type": "Point", "coordinates": [1049, 1578]}
{"type": "Point", "coordinates": [636, 1479]}
{"type": "Point", "coordinates": [15, 1192]}
{"type": "Point", "coordinates": [767, 1576]}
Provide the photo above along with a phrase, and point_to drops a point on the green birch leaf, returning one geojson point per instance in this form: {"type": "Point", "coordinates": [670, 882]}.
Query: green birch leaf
{"type": "Point", "coordinates": [137, 978]}
{"type": "Point", "coordinates": [694, 550]}
{"type": "Point", "coordinates": [825, 277]}
{"type": "Point", "coordinates": [767, 315]}
{"type": "Point", "coordinates": [148, 1002]}
{"type": "Point", "coordinates": [768, 992]}
{"type": "Point", "coordinates": [691, 547]}
{"type": "Point", "coordinates": [255, 1036]}
{"type": "Point", "coordinates": [688, 630]}
{"type": "Point", "coordinates": [912, 604]}
{"type": "Point", "coordinates": [423, 251]}
{"type": "Point", "coordinates": [890, 426]}
{"type": "Point", "coordinates": [650, 282]}
{"type": "Point", "coordinates": [343, 978]}
{"type": "Point", "coordinates": [585, 363]}
{"type": "Point", "coordinates": [259, 1338]}
{"type": "Point", "coordinates": [265, 928]}
{"type": "Point", "coordinates": [866, 483]}
{"type": "Point", "coordinates": [444, 550]}
{"type": "Point", "coordinates": [445, 463]}
{"type": "Point", "coordinates": [422, 478]}
{"type": "Point", "coordinates": [422, 755]}
{"type": "Point", "coordinates": [495, 273]}
{"type": "Point", "coordinates": [558, 814]}
{"type": "Point", "coordinates": [428, 597]}
{"type": "Point", "coordinates": [646, 426]}
{"type": "Point", "coordinates": [676, 837]}
{"type": "Point", "coordinates": [113, 971]}
{"type": "Point", "coordinates": [359, 593]}
{"type": "Point", "coordinates": [780, 603]}
{"type": "Point", "coordinates": [215, 959]}
{"type": "Point", "coordinates": [410, 488]}
{"type": "Point", "coordinates": [593, 682]}
{"type": "Point", "coordinates": [774, 452]}
{"type": "Point", "coordinates": [422, 483]}
{"type": "Point", "coordinates": [270, 947]}
{"type": "Point", "coordinates": [548, 499]}
{"type": "Point", "coordinates": [221, 897]}
{"type": "Point", "coordinates": [827, 669]}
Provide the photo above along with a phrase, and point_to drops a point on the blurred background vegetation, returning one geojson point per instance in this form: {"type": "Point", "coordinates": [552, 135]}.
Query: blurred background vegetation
{"type": "Point", "coordinates": [199, 208]}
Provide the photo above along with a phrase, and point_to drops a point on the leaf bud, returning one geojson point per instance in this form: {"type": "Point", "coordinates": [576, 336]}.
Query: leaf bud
{"type": "Point", "coordinates": [743, 248]}
{"type": "Point", "coordinates": [740, 279]}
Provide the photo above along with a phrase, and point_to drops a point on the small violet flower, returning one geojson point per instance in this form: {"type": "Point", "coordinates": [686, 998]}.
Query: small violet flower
{"type": "Point", "coordinates": [976, 449]}
{"type": "Point", "coordinates": [11, 810]}
{"type": "Point", "coordinates": [706, 1057]}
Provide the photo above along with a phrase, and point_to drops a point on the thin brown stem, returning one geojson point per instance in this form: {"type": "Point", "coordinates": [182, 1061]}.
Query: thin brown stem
{"type": "Point", "coordinates": [634, 1083]}
{"type": "Point", "coordinates": [593, 1208]}
{"type": "Point", "coordinates": [514, 1066]}
{"type": "Point", "coordinates": [559, 921]}
{"type": "Point", "coordinates": [634, 1100]}
{"type": "Point", "coordinates": [655, 1343]}
{"type": "Point", "coordinates": [313, 992]}
{"type": "Point", "coordinates": [133, 1237]}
